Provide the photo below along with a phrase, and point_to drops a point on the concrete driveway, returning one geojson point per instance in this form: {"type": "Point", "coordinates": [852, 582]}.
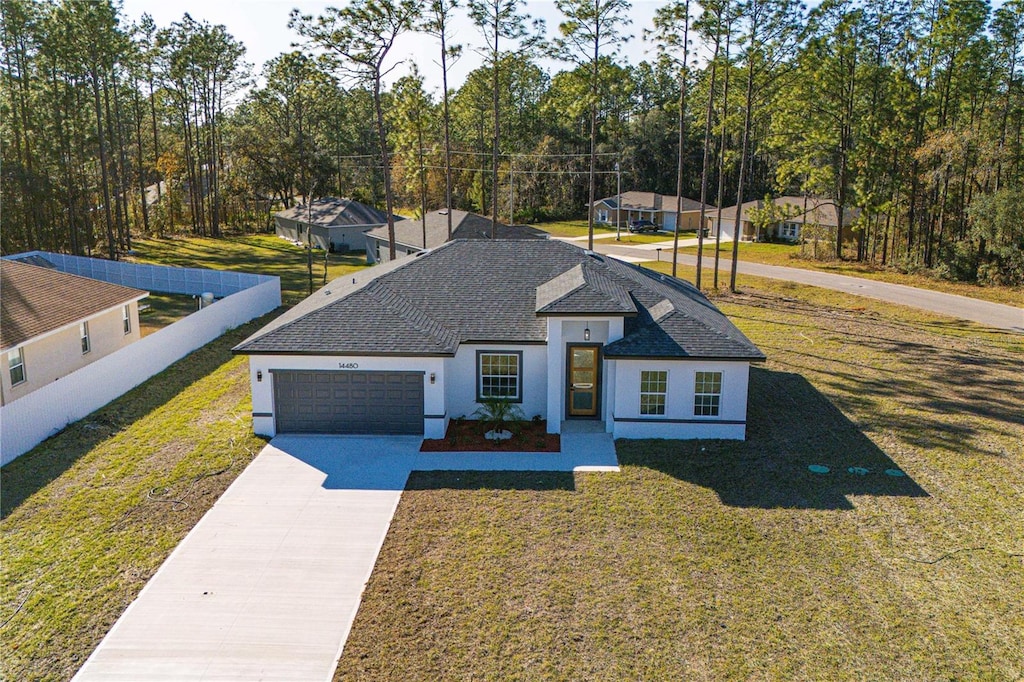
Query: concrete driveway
{"type": "Point", "coordinates": [266, 586]}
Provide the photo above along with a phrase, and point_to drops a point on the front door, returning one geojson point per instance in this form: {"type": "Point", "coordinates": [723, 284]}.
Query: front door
{"type": "Point", "coordinates": [583, 380]}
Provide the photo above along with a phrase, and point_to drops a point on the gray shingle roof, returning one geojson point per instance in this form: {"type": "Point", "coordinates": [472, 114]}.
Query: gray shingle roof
{"type": "Point", "coordinates": [490, 291]}
{"type": "Point", "coordinates": [465, 225]}
{"type": "Point", "coordinates": [333, 212]}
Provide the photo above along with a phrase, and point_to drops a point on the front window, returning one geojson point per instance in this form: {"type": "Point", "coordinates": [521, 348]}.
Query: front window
{"type": "Point", "coordinates": [16, 365]}
{"type": "Point", "coordinates": [83, 332]}
{"type": "Point", "coordinates": [499, 375]}
{"type": "Point", "coordinates": [126, 318]}
{"type": "Point", "coordinates": [790, 231]}
{"type": "Point", "coordinates": [707, 394]}
{"type": "Point", "coordinates": [653, 389]}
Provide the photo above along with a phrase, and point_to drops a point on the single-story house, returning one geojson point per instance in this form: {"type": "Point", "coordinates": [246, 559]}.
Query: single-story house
{"type": "Point", "coordinates": [333, 224]}
{"type": "Point", "coordinates": [658, 208]}
{"type": "Point", "coordinates": [797, 218]}
{"type": "Point", "coordinates": [409, 234]}
{"type": "Point", "coordinates": [566, 333]}
{"type": "Point", "coordinates": [53, 323]}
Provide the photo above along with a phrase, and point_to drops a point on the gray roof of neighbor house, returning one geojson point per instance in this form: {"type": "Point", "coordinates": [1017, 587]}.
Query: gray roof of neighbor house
{"type": "Point", "coordinates": [333, 212]}
{"type": "Point", "coordinates": [465, 225]}
{"type": "Point", "coordinates": [819, 211]}
{"type": "Point", "coordinates": [36, 300]}
{"type": "Point", "coordinates": [500, 291]}
{"type": "Point", "coordinates": [649, 201]}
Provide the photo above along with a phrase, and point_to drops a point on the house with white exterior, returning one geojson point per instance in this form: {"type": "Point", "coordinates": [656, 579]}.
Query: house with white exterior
{"type": "Point", "coordinates": [566, 333]}
{"type": "Point", "coordinates": [660, 209]}
{"type": "Point", "coordinates": [53, 323]}
{"type": "Point", "coordinates": [329, 223]}
{"type": "Point", "coordinates": [416, 235]}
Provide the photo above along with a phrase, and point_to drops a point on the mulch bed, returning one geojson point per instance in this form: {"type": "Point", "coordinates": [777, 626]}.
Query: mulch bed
{"type": "Point", "coordinates": [467, 435]}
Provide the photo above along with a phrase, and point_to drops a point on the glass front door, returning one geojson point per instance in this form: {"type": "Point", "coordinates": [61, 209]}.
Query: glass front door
{"type": "Point", "coordinates": [582, 378]}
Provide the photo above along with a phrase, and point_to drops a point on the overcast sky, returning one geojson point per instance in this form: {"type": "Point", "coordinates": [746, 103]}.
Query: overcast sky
{"type": "Point", "coordinates": [262, 26]}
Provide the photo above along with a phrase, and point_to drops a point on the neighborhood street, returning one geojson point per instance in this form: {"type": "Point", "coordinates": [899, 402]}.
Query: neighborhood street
{"type": "Point", "coordinates": [987, 313]}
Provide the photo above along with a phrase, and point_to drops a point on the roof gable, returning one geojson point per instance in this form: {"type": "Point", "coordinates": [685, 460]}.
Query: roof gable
{"type": "Point", "coordinates": [36, 300]}
{"type": "Point", "coordinates": [583, 290]}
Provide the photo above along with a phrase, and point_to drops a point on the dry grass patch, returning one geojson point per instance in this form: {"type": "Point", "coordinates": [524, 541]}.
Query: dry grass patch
{"type": "Point", "coordinates": [721, 560]}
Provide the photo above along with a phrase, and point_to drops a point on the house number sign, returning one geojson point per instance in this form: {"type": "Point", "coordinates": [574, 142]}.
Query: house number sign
{"type": "Point", "coordinates": [348, 365]}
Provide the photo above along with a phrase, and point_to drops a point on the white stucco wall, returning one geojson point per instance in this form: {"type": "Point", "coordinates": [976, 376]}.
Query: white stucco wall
{"type": "Point", "coordinates": [461, 373]}
{"type": "Point", "coordinates": [263, 391]}
{"type": "Point", "coordinates": [679, 420]}
{"type": "Point", "coordinates": [59, 353]}
{"type": "Point", "coordinates": [561, 332]}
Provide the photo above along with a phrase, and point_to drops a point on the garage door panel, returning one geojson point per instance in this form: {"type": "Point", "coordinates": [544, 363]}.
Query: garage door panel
{"type": "Point", "coordinates": [348, 402]}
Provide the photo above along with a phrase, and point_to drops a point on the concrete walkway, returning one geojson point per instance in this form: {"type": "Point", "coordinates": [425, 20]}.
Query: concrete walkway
{"type": "Point", "coordinates": [997, 315]}
{"type": "Point", "coordinates": [266, 586]}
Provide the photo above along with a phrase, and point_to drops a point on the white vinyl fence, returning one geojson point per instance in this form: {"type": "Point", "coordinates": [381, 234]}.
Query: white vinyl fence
{"type": "Point", "coordinates": [26, 422]}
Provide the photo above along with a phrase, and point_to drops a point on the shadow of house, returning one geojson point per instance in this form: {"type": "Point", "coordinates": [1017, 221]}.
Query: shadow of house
{"type": "Point", "coordinates": [790, 426]}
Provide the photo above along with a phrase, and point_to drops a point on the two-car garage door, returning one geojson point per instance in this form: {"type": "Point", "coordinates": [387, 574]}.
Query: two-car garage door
{"type": "Point", "coordinates": [348, 402]}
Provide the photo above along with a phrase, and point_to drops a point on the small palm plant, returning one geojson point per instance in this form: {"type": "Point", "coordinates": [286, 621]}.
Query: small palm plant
{"type": "Point", "coordinates": [499, 414]}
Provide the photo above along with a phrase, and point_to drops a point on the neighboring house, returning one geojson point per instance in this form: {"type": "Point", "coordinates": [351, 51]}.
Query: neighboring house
{"type": "Point", "coordinates": [465, 225]}
{"type": "Point", "coordinates": [53, 323]}
{"type": "Point", "coordinates": [565, 333]}
{"type": "Point", "coordinates": [797, 218]}
{"type": "Point", "coordinates": [658, 208]}
{"type": "Point", "coordinates": [335, 224]}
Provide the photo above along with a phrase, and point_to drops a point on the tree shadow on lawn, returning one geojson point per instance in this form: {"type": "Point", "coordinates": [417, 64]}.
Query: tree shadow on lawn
{"type": "Point", "coordinates": [790, 426]}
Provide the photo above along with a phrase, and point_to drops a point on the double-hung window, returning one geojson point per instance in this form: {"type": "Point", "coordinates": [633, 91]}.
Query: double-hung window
{"type": "Point", "coordinates": [126, 318]}
{"type": "Point", "coordinates": [707, 394]}
{"type": "Point", "coordinates": [16, 365]}
{"type": "Point", "coordinates": [499, 375]}
{"type": "Point", "coordinates": [653, 391]}
{"type": "Point", "coordinates": [83, 332]}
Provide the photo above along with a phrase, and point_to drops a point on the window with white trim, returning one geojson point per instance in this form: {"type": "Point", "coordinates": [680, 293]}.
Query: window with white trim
{"type": "Point", "coordinates": [499, 375]}
{"type": "Point", "coordinates": [653, 391]}
{"type": "Point", "coordinates": [16, 365]}
{"type": "Point", "coordinates": [126, 319]}
{"type": "Point", "coordinates": [707, 394]}
{"type": "Point", "coordinates": [83, 332]}
{"type": "Point", "coordinates": [789, 231]}
{"type": "Point", "coordinates": [602, 215]}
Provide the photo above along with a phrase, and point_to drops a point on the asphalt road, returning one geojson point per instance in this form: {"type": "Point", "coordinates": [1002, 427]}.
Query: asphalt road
{"type": "Point", "coordinates": [995, 315]}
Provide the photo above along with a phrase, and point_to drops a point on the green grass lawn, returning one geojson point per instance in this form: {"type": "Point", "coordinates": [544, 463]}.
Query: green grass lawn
{"type": "Point", "coordinates": [722, 560]}
{"type": "Point", "coordinates": [90, 514]}
{"type": "Point", "coordinates": [264, 254]}
{"type": "Point", "coordinates": [795, 256]}
{"type": "Point", "coordinates": [162, 310]}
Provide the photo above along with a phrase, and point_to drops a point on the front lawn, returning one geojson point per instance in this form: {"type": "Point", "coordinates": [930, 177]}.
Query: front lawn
{"type": "Point", "coordinates": [721, 560]}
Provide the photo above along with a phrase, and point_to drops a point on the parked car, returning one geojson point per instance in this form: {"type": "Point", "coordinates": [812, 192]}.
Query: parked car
{"type": "Point", "coordinates": [638, 226]}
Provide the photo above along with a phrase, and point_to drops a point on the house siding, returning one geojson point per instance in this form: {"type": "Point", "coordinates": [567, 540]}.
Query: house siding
{"type": "Point", "coordinates": [679, 421]}
{"type": "Point", "coordinates": [325, 237]}
{"type": "Point", "coordinates": [59, 353]}
{"type": "Point", "coordinates": [461, 371]}
{"type": "Point", "coordinates": [561, 332]}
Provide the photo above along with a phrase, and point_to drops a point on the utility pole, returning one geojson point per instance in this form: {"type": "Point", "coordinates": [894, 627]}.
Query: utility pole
{"type": "Point", "coordinates": [618, 202]}
{"type": "Point", "coordinates": [511, 189]}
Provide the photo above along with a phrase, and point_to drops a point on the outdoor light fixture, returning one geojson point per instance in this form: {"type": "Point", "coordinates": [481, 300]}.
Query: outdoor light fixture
{"type": "Point", "coordinates": [432, 377]}
{"type": "Point", "coordinates": [586, 333]}
{"type": "Point", "coordinates": [259, 375]}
